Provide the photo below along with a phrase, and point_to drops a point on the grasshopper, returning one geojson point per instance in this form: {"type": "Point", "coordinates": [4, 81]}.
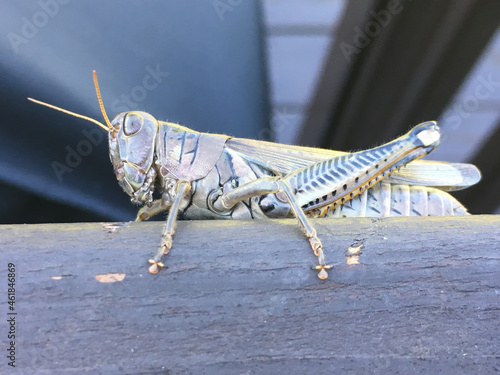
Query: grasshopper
{"type": "Point", "coordinates": [212, 176]}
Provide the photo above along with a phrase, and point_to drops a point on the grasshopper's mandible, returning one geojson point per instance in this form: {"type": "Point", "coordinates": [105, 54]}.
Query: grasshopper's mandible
{"type": "Point", "coordinates": [210, 176]}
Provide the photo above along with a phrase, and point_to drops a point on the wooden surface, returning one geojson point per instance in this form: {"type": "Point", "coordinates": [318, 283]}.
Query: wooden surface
{"type": "Point", "coordinates": [239, 298]}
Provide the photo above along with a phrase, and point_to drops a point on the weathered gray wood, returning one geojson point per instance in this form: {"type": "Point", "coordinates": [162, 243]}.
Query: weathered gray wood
{"type": "Point", "coordinates": [239, 297]}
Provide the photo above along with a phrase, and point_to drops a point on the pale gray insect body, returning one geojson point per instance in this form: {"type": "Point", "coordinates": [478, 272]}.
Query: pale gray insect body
{"type": "Point", "coordinates": [209, 176]}
{"type": "Point", "coordinates": [231, 178]}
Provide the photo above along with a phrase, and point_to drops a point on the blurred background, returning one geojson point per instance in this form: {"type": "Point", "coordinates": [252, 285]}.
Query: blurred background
{"type": "Point", "coordinates": [338, 74]}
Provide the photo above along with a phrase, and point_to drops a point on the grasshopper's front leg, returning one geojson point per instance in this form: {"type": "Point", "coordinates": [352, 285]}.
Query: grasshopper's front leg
{"type": "Point", "coordinates": [157, 206]}
{"type": "Point", "coordinates": [146, 212]}
{"type": "Point", "coordinates": [181, 189]}
{"type": "Point", "coordinates": [271, 185]}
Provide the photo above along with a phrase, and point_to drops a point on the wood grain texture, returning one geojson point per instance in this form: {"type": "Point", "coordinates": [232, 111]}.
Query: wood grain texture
{"type": "Point", "coordinates": [239, 297]}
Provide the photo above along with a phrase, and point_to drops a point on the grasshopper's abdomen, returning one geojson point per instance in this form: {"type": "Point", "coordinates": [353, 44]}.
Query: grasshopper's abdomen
{"type": "Point", "coordinates": [386, 199]}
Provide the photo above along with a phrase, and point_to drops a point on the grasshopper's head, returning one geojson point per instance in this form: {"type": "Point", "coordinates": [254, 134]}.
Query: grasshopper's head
{"type": "Point", "coordinates": [132, 138]}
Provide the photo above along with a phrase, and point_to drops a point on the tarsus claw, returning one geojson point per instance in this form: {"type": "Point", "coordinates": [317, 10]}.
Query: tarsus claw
{"type": "Point", "coordinates": [323, 274]}
{"type": "Point", "coordinates": [155, 266]}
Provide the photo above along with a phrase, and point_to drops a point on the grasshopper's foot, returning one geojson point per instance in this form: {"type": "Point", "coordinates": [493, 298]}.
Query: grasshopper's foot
{"type": "Point", "coordinates": [166, 244]}
{"type": "Point", "coordinates": [322, 266]}
{"type": "Point", "coordinates": [155, 266]}
{"type": "Point", "coordinates": [156, 263]}
{"type": "Point", "coordinates": [322, 274]}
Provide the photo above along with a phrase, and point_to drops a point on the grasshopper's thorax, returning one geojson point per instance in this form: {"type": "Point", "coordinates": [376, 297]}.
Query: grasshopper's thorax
{"type": "Point", "coordinates": [186, 154]}
{"type": "Point", "coordinates": [131, 150]}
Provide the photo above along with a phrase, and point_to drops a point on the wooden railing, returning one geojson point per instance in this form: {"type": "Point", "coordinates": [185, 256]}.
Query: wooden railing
{"type": "Point", "coordinates": [240, 296]}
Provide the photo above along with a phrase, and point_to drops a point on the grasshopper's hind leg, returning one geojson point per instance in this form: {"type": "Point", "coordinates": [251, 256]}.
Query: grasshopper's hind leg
{"type": "Point", "coordinates": [271, 185]}
{"type": "Point", "coordinates": [182, 189]}
{"type": "Point", "coordinates": [308, 229]}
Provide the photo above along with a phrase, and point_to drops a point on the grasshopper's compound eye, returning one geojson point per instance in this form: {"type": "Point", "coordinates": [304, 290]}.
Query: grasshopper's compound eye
{"type": "Point", "coordinates": [132, 123]}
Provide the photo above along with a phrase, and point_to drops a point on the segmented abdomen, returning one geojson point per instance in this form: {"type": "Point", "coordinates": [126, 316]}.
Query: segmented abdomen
{"type": "Point", "coordinates": [385, 199]}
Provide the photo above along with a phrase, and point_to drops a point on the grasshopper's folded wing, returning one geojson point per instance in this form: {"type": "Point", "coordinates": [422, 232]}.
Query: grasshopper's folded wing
{"type": "Point", "coordinates": [284, 159]}
{"type": "Point", "coordinates": [441, 175]}
{"type": "Point", "coordinates": [278, 157]}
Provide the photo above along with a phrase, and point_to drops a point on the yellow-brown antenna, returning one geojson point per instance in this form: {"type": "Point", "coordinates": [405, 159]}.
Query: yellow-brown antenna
{"type": "Point", "coordinates": [82, 116]}
{"type": "Point", "coordinates": [70, 113]}
{"type": "Point", "coordinates": [96, 84]}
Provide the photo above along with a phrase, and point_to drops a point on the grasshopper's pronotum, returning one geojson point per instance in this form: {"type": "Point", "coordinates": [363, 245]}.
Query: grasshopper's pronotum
{"type": "Point", "coordinates": [210, 176]}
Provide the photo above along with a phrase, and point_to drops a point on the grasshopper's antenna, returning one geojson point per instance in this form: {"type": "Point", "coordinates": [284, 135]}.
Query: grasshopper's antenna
{"type": "Point", "coordinates": [96, 84]}
{"type": "Point", "coordinates": [70, 113]}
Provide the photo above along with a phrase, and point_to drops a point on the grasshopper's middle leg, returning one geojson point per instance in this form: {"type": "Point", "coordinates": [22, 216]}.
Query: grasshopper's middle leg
{"type": "Point", "coordinates": [308, 229]}
{"type": "Point", "coordinates": [182, 189]}
{"type": "Point", "coordinates": [270, 185]}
